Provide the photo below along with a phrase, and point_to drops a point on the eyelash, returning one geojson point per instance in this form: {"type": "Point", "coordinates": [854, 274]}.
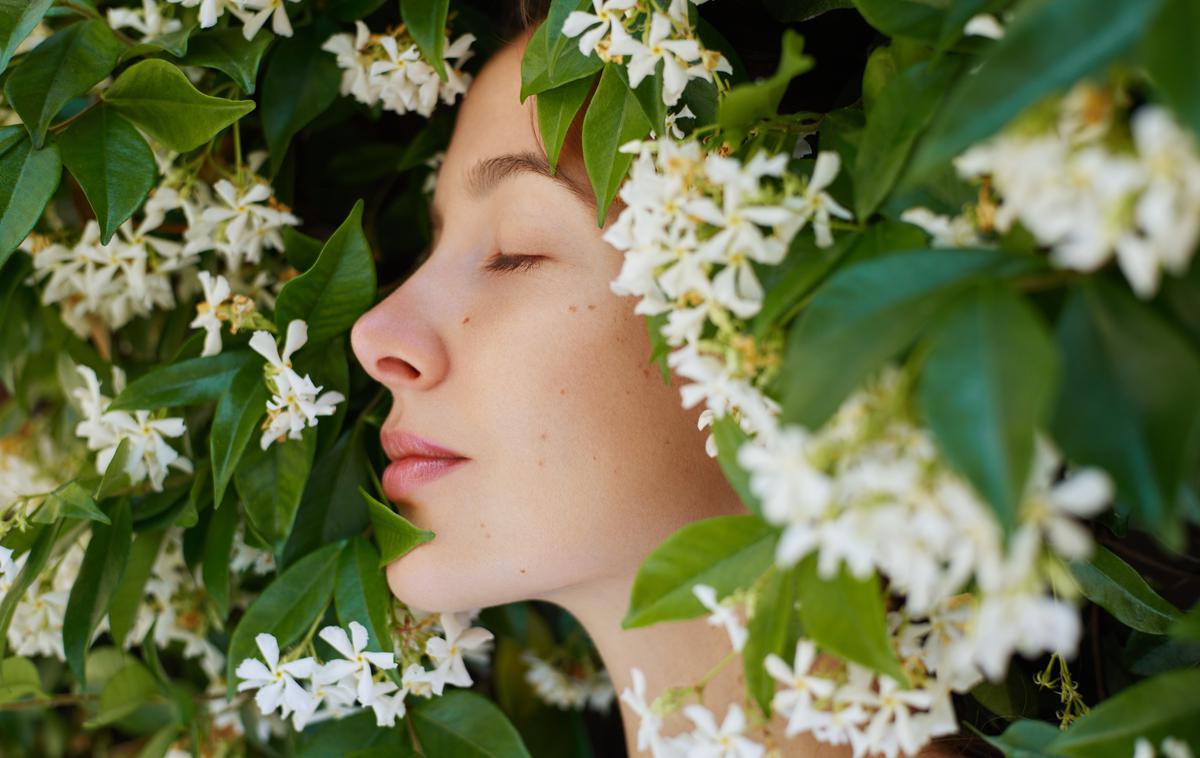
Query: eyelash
{"type": "Point", "coordinates": [503, 263]}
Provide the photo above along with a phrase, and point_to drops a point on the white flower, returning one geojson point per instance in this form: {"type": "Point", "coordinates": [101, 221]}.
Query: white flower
{"type": "Point", "coordinates": [594, 26]}
{"type": "Point", "coordinates": [247, 223]}
{"type": "Point", "coordinates": [357, 661]}
{"type": "Point", "coordinates": [216, 292]}
{"type": "Point", "coordinates": [276, 683]}
{"type": "Point", "coordinates": [210, 10]}
{"type": "Point", "coordinates": [957, 231]}
{"type": "Point", "coordinates": [708, 741]}
{"type": "Point", "coordinates": [446, 652]}
{"type": "Point", "coordinates": [798, 688]}
{"type": "Point", "coordinates": [648, 729]}
{"type": "Point", "coordinates": [149, 22]}
{"type": "Point", "coordinates": [722, 615]}
{"type": "Point", "coordinates": [273, 9]}
{"type": "Point", "coordinates": [815, 203]}
{"type": "Point", "coordinates": [984, 25]}
{"type": "Point", "coordinates": [295, 403]}
{"type": "Point", "coordinates": [660, 45]}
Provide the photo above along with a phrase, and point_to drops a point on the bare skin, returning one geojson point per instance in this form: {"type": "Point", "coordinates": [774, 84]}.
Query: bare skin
{"type": "Point", "coordinates": [582, 460]}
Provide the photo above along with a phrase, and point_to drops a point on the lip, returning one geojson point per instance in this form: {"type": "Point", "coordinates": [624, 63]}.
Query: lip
{"type": "Point", "coordinates": [415, 461]}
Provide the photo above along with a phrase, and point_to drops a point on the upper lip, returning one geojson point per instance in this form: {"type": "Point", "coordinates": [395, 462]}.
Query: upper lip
{"type": "Point", "coordinates": [398, 444]}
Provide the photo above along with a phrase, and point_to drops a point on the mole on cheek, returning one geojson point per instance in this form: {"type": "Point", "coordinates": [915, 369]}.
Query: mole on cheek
{"type": "Point", "coordinates": [591, 307]}
{"type": "Point", "coordinates": [572, 309]}
{"type": "Point", "coordinates": [465, 320]}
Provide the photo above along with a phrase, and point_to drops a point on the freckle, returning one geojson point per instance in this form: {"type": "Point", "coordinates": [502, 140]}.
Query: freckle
{"type": "Point", "coordinates": [593, 457]}
{"type": "Point", "coordinates": [541, 462]}
{"type": "Point", "coordinates": [543, 435]}
{"type": "Point", "coordinates": [572, 309]}
{"type": "Point", "coordinates": [646, 373]}
{"type": "Point", "coordinates": [522, 571]}
{"type": "Point", "coordinates": [591, 307]}
{"type": "Point", "coordinates": [562, 391]}
{"type": "Point", "coordinates": [465, 320]}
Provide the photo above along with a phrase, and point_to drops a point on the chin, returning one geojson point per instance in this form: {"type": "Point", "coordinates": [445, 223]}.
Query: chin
{"type": "Point", "coordinates": [430, 581]}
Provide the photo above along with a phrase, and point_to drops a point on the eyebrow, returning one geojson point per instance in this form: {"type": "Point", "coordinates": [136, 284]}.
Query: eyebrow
{"type": "Point", "coordinates": [488, 173]}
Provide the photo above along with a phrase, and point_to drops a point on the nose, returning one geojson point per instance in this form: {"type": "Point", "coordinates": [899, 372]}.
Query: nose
{"type": "Point", "coordinates": [398, 344]}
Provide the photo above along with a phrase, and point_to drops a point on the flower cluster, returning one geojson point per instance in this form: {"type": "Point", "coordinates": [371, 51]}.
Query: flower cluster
{"type": "Point", "coordinates": [252, 13]}
{"type": "Point", "coordinates": [1091, 186]}
{"type": "Point", "coordinates": [25, 477]}
{"type": "Point", "coordinates": [37, 621]}
{"type": "Point", "coordinates": [108, 284]}
{"type": "Point", "coordinates": [619, 28]}
{"type": "Point", "coordinates": [220, 306]}
{"type": "Point", "coordinates": [356, 680]}
{"type": "Point", "coordinates": [242, 221]}
{"type": "Point", "coordinates": [149, 454]}
{"type": "Point", "coordinates": [574, 686]}
{"type": "Point", "coordinates": [295, 404]}
{"type": "Point", "coordinates": [706, 738]}
{"type": "Point", "coordinates": [388, 68]}
{"type": "Point", "coordinates": [149, 22]}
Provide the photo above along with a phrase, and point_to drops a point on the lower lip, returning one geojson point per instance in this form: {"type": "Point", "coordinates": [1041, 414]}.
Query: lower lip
{"type": "Point", "coordinates": [406, 474]}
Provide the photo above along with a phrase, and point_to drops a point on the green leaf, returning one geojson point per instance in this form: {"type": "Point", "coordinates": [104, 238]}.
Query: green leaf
{"type": "Point", "coordinates": [39, 552]}
{"type": "Point", "coordinates": [286, 608]}
{"type": "Point", "coordinates": [845, 616]}
{"type": "Point", "coordinates": [613, 118]}
{"type": "Point", "coordinates": [901, 113]}
{"type": "Point", "coordinates": [774, 628]}
{"type": "Point", "coordinates": [1115, 586]}
{"type": "Point", "coordinates": [804, 268]}
{"type": "Point", "coordinates": [803, 10]}
{"type": "Point", "coordinates": [879, 306]}
{"type": "Point", "coordinates": [17, 19]}
{"type": "Point", "coordinates": [99, 574]}
{"type": "Point", "coordinates": [192, 380]}
{"type": "Point", "coordinates": [986, 387]}
{"type": "Point", "coordinates": [299, 84]}
{"type": "Point", "coordinates": [116, 475]}
{"type": "Point", "coordinates": [332, 507]}
{"type": "Point", "coordinates": [426, 22]}
{"type": "Point", "coordinates": [1049, 45]}
{"type": "Point", "coordinates": [127, 598]}
{"type": "Point", "coordinates": [69, 500]}
{"type": "Point", "coordinates": [550, 59]}
{"type": "Point", "coordinates": [300, 249]}
{"type": "Point", "coordinates": [465, 725]}
{"type": "Point", "coordinates": [337, 289]}
{"type": "Point", "coordinates": [271, 482]}
{"type": "Point", "coordinates": [361, 593]}
{"type": "Point", "coordinates": [728, 434]}
{"type": "Point", "coordinates": [125, 692]}
{"type": "Point", "coordinates": [353, 736]}
{"type": "Point", "coordinates": [175, 43]}
{"type": "Point", "coordinates": [227, 51]}
{"type": "Point", "coordinates": [556, 109]}
{"type": "Point", "coordinates": [112, 163]}
{"type": "Point", "coordinates": [1025, 738]}
{"type": "Point", "coordinates": [19, 677]}
{"type": "Point", "coordinates": [1171, 50]}
{"type": "Point", "coordinates": [726, 552]}
{"type": "Point", "coordinates": [1164, 706]}
{"type": "Point", "coordinates": [394, 534]}
{"type": "Point", "coordinates": [156, 96]}
{"type": "Point", "coordinates": [1130, 399]}
{"type": "Point", "coordinates": [28, 179]}
{"type": "Point", "coordinates": [67, 64]}
{"type": "Point", "coordinates": [234, 422]}
{"type": "Point", "coordinates": [218, 547]}
{"type": "Point", "coordinates": [904, 18]}
{"type": "Point", "coordinates": [1187, 626]}
{"type": "Point", "coordinates": [745, 104]}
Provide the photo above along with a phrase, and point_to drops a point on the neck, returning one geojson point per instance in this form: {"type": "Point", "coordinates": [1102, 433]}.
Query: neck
{"type": "Point", "coordinates": [669, 654]}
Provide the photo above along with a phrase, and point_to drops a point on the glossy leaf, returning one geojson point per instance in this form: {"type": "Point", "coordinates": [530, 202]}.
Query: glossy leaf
{"type": "Point", "coordinates": [745, 104]}
{"type": "Point", "coordinates": [361, 593]}
{"type": "Point", "coordinates": [271, 482]}
{"type": "Point", "coordinates": [1115, 586]}
{"type": "Point", "coordinates": [774, 628]}
{"type": "Point", "coordinates": [69, 500]}
{"type": "Point", "coordinates": [112, 163]}
{"type": "Point", "coordinates": [298, 86]}
{"type": "Point", "coordinates": [550, 59]}
{"type": "Point", "coordinates": [17, 19]}
{"type": "Point", "coordinates": [845, 616]}
{"type": "Point", "coordinates": [726, 552]}
{"type": "Point", "coordinates": [337, 289]}
{"type": "Point", "coordinates": [613, 118]}
{"type": "Point", "coordinates": [192, 380]}
{"type": "Point", "coordinates": [286, 608]}
{"type": "Point", "coordinates": [425, 20]}
{"type": "Point", "coordinates": [19, 678]}
{"type": "Point", "coordinates": [228, 51]}
{"type": "Point", "coordinates": [394, 534]}
{"type": "Point", "coordinates": [332, 507]}
{"type": "Point", "coordinates": [234, 422]}
{"type": "Point", "coordinates": [463, 724]}
{"type": "Point", "coordinates": [28, 179]}
{"type": "Point", "coordinates": [1164, 706]}
{"type": "Point", "coordinates": [1130, 399]}
{"type": "Point", "coordinates": [64, 66]}
{"type": "Point", "coordinates": [1048, 45]}
{"type": "Point", "coordinates": [99, 575]}
{"type": "Point", "coordinates": [986, 386]}
{"type": "Point", "coordinates": [218, 547]}
{"type": "Point", "coordinates": [728, 435]}
{"type": "Point", "coordinates": [878, 306]}
{"type": "Point", "coordinates": [556, 109]}
{"type": "Point", "coordinates": [123, 693]}
{"type": "Point", "coordinates": [116, 476]}
{"type": "Point", "coordinates": [156, 96]}
{"type": "Point", "coordinates": [127, 597]}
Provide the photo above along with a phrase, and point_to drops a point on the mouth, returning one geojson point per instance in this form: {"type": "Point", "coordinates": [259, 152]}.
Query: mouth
{"type": "Point", "coordinates": [415, 461]}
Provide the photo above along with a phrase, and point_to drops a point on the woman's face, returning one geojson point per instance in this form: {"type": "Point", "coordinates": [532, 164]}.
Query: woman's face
{"type": "Point", "coordinates": [581, 459]}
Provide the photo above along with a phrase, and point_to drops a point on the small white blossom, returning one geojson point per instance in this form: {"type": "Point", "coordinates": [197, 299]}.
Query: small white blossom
{"type": "Point", "coordinates": [275, 683]}
{"type": "Point", "coordinates": [447, 652]}
{"type": "Point", "coordinates": [149, 22]}
{"type": "Point", "coordinates": [295, 403]}
{"type": "Point", "coordinates": [722, 615]}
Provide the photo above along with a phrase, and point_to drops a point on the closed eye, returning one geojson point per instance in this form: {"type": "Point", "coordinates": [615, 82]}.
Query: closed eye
{"type": "Point", "coordinates": [502, 263]}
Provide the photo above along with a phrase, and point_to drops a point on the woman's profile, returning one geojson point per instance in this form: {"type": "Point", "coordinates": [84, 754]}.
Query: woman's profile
{"type": "Point", "coordinates": [506, 348]}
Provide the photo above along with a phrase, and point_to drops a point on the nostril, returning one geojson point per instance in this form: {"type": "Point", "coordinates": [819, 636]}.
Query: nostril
{"type": "Point", "coordinates": [398, 368]}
